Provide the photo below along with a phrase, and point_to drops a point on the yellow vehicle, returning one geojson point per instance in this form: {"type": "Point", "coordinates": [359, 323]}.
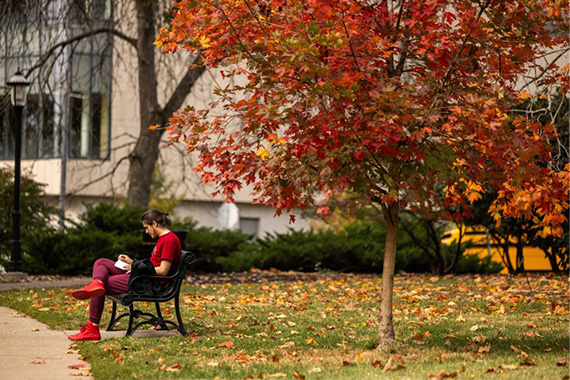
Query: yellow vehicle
{"type": "Point", "coordinates": [481, 243]}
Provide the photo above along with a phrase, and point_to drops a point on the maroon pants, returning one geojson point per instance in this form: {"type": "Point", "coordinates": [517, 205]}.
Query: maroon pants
{"type": "Point", "coordinates": [115, 281]}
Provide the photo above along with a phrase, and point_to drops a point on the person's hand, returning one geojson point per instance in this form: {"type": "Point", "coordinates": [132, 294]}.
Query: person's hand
{"type": "Point", "coordinates": [126, 259]}
{"type": "Point", "coordinates": [128, 268]}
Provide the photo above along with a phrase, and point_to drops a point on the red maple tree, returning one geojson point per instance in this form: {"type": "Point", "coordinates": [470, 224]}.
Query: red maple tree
{"type": "Point", "coordinates": [387, 100]}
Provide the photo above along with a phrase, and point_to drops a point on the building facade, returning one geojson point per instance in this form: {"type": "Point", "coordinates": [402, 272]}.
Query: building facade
{"type": "Point", "coordinates": [82, 114]}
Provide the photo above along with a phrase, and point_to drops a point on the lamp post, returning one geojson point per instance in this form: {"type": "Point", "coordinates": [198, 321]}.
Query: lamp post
{"type": "Point", "coordinates": [18, 84]}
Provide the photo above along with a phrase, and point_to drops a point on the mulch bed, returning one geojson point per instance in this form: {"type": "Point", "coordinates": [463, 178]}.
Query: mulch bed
{"type": "Point", "coordinates": [261, 276]}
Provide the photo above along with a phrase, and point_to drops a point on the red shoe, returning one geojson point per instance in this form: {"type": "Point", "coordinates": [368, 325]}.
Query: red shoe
{"type": "Point", "coordinates": [93, 289]}
{"type": "Point", "coordinates": [87, 332]}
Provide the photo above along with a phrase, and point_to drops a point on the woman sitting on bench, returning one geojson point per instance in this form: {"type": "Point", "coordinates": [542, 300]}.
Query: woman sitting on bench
{"type": "Point", "coordinates": [109, 279]}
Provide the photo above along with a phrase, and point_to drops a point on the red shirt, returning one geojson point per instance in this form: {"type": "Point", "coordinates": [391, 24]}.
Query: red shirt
{"type": "Point", "coordinates": [167, 248]}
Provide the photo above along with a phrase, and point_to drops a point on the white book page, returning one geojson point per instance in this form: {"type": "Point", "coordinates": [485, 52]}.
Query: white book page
{"type": "Point", "coordinates": [121, 264]}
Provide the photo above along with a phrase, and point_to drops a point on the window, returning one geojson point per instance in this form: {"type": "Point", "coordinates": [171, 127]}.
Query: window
{"type": "Point", "coordinates": [249, 225]}
{"type": "Point", "coordinates": [89, 127]}
{"type": "Point", "coordinates": [88, 130]}
{"type": "Point", "coordinates": [38, 130]}
{"type": "Point", "coordinates": [88, 67]}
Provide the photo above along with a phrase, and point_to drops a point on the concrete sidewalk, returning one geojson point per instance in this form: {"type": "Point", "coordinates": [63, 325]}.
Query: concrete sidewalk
{"type": "Point", "coordinates": [32, 351]}
{"type": "Point", "coordinates": [38, 284]}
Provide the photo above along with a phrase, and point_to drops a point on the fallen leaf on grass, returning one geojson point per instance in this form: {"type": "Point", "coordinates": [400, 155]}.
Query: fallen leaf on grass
{"type": "Point", "coordinates": [376, 364]}
{"type": "Point", "coordinates": [226, 344]}
{"type": "Point", "coordinates": [390, 367]}
{"type": "Point", "coordinates": [562, 363]}
{"type": "Point", "coordinates": [278, 374]}
{"type": "Point", "coordinates": [242, 358]}
{"type": "Point", "coordinates": [528, 362]}
{"type": "Point", "coordinates": [484, 349]}
{"type": "Point", "coordinates": [173, 368]}
{"type": "Point", "coordinates": [508, 366]}
{"type": "Point", "coordinates": [298, 376]}
{"type": "Point", "coordinates": [479, 339]}
{"type": "Point", "coordinates": [286, 345]}
{"type": "Point", "coordinates": [421, 336]}
{"type": "Point", "coordinates": [359, 357]}
{"type": "Point", "coordinates": [442, 375]}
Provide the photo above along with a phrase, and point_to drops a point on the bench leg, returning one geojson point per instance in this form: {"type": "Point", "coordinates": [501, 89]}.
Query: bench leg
{"type": "Point", "coordinates": [181, 328]}
{"type": "Point", "coordinates": [112, 321]}
{"type": "Point", "coordinates": [159, 315]}
{"type": "Point", "coordinates": [153, 320]}
{"type": "Point", "coordinates": [130, 330]}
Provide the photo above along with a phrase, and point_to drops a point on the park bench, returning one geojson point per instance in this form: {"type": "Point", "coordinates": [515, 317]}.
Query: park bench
{"type": "Point", "coordinates": [169, 291]}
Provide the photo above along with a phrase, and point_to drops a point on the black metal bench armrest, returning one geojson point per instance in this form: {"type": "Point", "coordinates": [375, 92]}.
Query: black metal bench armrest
{"type": "Point", "coordinates": [187, 259]}
{"type": "Point", "coordinates": [151, 277]}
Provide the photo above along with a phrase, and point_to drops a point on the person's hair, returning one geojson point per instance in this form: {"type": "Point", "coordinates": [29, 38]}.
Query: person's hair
{"type": "Point", "coordinates": [161, 218]}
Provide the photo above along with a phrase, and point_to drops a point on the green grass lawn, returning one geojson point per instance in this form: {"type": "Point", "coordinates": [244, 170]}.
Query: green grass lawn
{"type": "Point", "coordinates": [465, 327]}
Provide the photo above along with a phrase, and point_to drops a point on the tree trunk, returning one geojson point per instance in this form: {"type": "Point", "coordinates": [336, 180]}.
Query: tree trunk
{"type": "Point", "coordinates": [520, 254]}
{"type": "Point", "coordinates": [145, 154]}
{"type": "Point", "coordinates": [142, 161]}
{"type": "Point", "coordinates": [385, 319]}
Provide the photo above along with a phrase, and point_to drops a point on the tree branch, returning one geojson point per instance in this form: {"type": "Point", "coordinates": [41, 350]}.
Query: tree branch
{"type": "Point", "coordinates": [546, 68]}
{"type": "Point", "coordinates": [350, 45]}
{"type": "Point", "coordinates": [110, 173]}
{"type": "Point", "coordinates": [183, 89]}
{"type": "Point", "coordinates": [79, 37]}
{"type": "Point", "coordinates": [484, 5]}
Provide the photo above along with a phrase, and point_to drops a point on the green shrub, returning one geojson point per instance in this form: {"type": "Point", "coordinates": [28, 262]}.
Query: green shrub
{"type": "Point", "coordinates": [110, 218]}
{"type": "Point", "coordinates": [105, 231]}
{"type": "Point", "coordinates": [358, 248]}
{"type": "Point", "coordinates": [36, 215]}
{"type": "Point", "coordinates": [210, 245]}
{"type": "Point", "coordinates": [74, 251]}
